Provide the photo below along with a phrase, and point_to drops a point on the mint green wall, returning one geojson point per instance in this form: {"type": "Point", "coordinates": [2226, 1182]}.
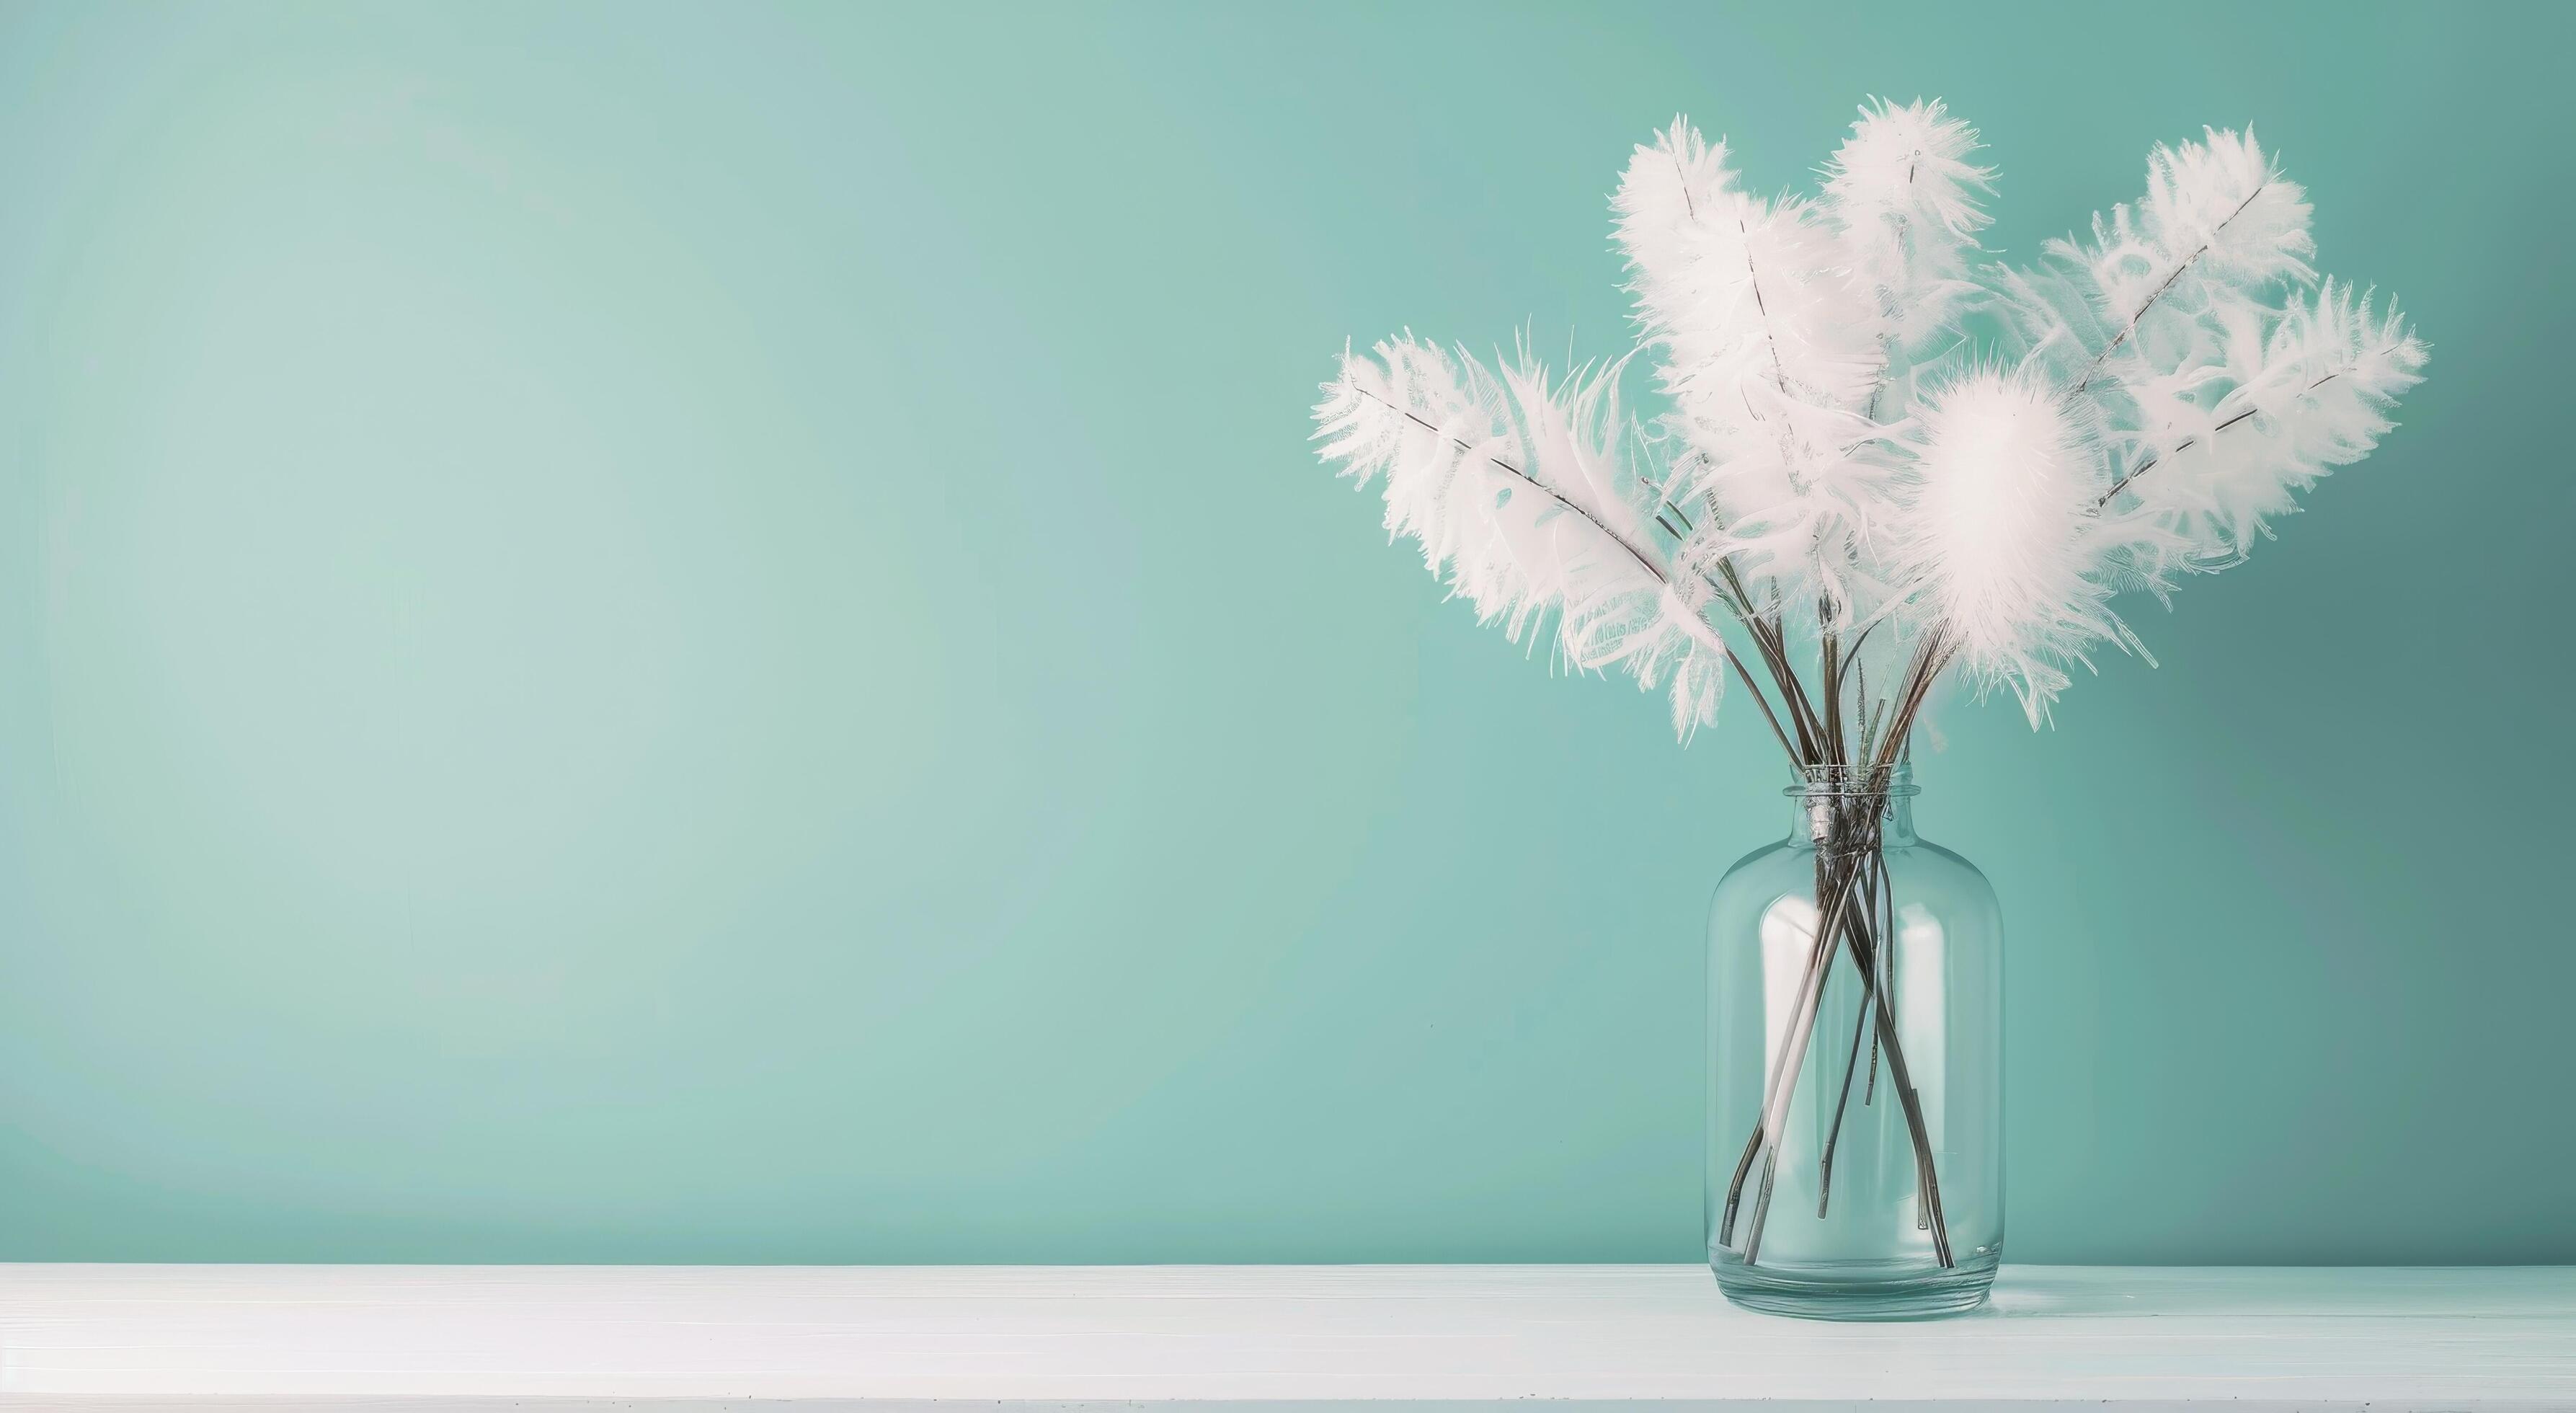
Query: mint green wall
{"type": "Point", "coordinates": [686, 633]}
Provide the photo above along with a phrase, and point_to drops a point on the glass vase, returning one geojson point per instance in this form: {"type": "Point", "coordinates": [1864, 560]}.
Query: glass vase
{"type": "Point", "coordinates": [1855, 1082]}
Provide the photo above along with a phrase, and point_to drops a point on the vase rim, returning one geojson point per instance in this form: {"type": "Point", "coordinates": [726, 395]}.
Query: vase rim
{"type": "Point", "coordinates": [1836, 781]}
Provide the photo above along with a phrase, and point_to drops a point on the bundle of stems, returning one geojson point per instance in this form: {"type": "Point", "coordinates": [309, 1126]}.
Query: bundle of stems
{"type": "Point", "coordinates": [1851, 775]}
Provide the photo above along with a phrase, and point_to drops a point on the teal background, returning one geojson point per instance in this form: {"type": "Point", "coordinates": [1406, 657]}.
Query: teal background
{"type": "Point", "coordinates": [693, 633]}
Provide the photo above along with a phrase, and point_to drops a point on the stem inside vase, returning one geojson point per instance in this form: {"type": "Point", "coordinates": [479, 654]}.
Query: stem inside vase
{"type": "Point", "coordinates": [1850, 867]}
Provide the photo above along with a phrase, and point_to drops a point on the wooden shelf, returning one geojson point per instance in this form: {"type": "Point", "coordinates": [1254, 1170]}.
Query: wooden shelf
{"type": "Point", "coordinates": [411, 1337]}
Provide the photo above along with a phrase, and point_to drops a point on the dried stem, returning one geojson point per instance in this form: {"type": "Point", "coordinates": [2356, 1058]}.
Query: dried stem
{"type": "Point", "coordinates": [1865, 951]}
{"type": "Point", "coordinates": [1851, 1054]}
{"type": "Point", "coordinates": [1793, 1045]}
{"type": "Point", "coordinates": [1885, 977]}
{"type": "Point", "coordinates": [1829, 664]}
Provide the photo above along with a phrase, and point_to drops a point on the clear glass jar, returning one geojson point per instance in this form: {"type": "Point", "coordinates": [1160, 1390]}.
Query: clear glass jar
{"type": "Point", "coordinates": [1868, 1185]}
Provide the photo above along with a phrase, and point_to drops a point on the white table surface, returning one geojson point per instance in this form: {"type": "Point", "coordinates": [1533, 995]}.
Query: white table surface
{"type": "Point", "coordinates": [578, 1338]}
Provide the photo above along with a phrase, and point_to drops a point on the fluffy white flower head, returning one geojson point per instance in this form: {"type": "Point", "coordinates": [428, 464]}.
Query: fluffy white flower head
{"type": "Point", "coordinates": [1906, 196]}
{"type": "Point", "coordinates": [1514, 485]}
{"type": "Point", "coordinates": [1998, 531]}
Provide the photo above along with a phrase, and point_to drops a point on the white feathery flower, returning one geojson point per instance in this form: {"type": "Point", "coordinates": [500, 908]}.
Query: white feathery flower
{"type": "Point", "coordinates": [1517, 492]}
{"type": "Point", "coordinates": [2283, 397]}
{"type": "Point", "coordinates": [1770, 353]}
{"type": "Point", "coordinates": [1997, 533]}
{"type": "Point", "coordinates": [2216, 213]}
{"type": "Point", "coordinates": [1906, 196]}
{"type": "Point", "coordinates": [2218, 229]}
{"type": "Point", "coordinates": [1666, 186]}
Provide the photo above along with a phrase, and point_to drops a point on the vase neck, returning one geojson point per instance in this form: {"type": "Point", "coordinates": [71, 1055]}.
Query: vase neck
{"type": "Point", "coordinates": [1847, 806]}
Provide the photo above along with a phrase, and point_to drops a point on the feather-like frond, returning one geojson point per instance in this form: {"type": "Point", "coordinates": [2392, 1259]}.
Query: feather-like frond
{"type": "Point", "coordinates": [1998, 536]}
{"type": "Point", "coordinates": [1907, 199]}
{"type": "Point", "coordinates": [1516, 489]}
{"type": "Point", "coordinates": [2216, 212]}
{"type": "Point", "coordinates": [2287, 395]}
{"type": "Point", "coordinates": [1770, 351]}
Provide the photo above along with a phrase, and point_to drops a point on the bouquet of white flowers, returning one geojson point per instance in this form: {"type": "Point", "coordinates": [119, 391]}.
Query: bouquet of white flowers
{"type": "Point", "coordinates": [1874, 434]}
{"type": "Point", "coordinates": [1885, 458]}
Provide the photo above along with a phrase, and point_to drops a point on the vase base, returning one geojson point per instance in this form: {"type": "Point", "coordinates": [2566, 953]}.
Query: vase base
{"type": "Point", "coordinates": [1857, 1290]}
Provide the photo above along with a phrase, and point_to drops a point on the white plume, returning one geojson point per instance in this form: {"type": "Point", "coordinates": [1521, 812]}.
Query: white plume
{"type": "Point", "coordinates": [1996, 533]}
{"type": "Point", "coordinates": [1521, 501]}
{"type": "Point", "coordinates": [1771, 351]}
{"type": "Point", "coordinates": [1906, 196]}
{"type": "Point", "coordinates": [2287, 395]}
{"type": "Point", "coordinates": [2217, 213]}
{"type": "Point", "coordinates": [2218, 229]}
